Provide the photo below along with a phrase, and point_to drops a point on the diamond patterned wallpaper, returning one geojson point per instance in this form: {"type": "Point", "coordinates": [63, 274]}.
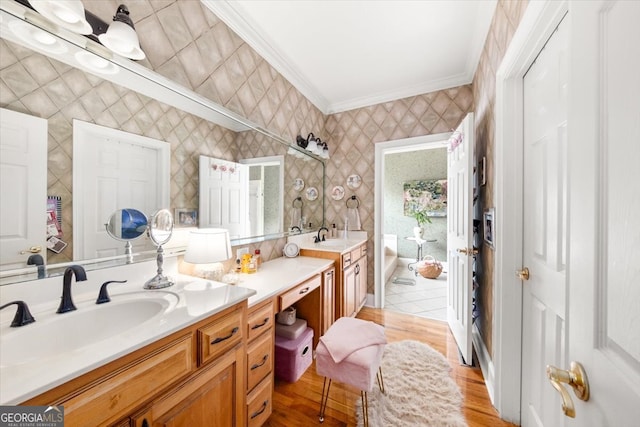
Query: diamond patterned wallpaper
{"type": "Point", "coordinates": [505, 22]}
{"type": "Point", "coordinates": [184, 41]}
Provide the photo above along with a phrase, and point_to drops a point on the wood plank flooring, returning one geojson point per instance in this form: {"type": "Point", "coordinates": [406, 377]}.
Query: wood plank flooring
{"type": "Point", "coordinates": [298, 404]}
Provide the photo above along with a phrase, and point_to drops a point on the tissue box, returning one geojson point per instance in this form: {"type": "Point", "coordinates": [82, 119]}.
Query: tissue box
{"type": "Point", "coordinates": [293, 357]}
{"type": "Point", "coordinates": [291, 332]}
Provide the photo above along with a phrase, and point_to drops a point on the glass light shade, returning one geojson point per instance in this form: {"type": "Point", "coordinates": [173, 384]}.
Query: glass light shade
{"type": "Point", "coordinates": [65, 13]}
{"type": "Point", "coordinates": [36, 37]}
{"type": "Point", "coordinates": [208, 245]}
{"type": "Point", "coordinates": [325, 151]}
{"type": "Point", "coordinates": [313, 145]}
{"type": "Point", "coordinates": [123, 40]}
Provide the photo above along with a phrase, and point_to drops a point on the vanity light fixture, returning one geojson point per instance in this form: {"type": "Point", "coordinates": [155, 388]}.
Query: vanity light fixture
{"type": "Point", "coordinates": [207, 246]}
{"type": "Point", "coordinates": [121, 36]}
{"type": "Point", "coordinates": [69, 14]}
{"type": "Point", "coordinates": [313, 145]}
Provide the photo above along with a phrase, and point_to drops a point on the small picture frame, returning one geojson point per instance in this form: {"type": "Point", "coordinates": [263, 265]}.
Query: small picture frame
{"type": "Point", "coordinates": [186, 217]}
{"type": "Point", "coordinates": [488, 222]}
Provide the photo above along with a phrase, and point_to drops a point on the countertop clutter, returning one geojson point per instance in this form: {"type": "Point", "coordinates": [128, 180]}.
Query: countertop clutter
{"type": "Point", "coordinates": [60, 347]}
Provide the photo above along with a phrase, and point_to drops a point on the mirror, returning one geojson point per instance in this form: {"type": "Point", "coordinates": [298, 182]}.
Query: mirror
{"type": "Point", "coordinates": [127, 225]}
{"type": "Point", "coordinates": [74, 91]}
{"type": "Point", "coordinates": [160, 230]}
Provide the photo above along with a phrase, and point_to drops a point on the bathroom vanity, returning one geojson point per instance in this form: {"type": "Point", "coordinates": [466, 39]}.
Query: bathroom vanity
{"type": "Point", "coordinates": [204, 353]}
{"type": "Point", "coordinates": [350, 261]}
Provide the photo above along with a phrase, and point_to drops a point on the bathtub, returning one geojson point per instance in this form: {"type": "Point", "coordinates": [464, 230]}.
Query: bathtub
{"type": "Point", "coordinates": [390, 255]}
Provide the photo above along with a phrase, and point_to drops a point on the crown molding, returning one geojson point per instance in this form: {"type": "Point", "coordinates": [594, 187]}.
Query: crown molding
{"type": "Point", "coordinates": [404, 92]}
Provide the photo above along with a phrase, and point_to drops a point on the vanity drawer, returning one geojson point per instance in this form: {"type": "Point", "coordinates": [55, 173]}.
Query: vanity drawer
{"type": "Point", "coordinates": [346, 260]}
{"type": "Point", "coordinates": [123, 391]}
{"type": "Point", "coordinates": [220, 336]}
{"type": "Point", "coordinates": [363, 250]}
{"type": "Point", "coordinates": [259, 321]}
{"type": "Point", "coordinates": [259, 360]}
{"type": "Point", "coordinates": [259, 403]}
{"type": "Point", "coordinates": [299, 292]}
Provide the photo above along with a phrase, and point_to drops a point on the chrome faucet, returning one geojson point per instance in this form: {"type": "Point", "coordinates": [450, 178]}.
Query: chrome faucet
{"type": "Point", "coordinates": [23, 315]}
{"type": "Point", "coordinates": [317, 238]}
{"type": "Point", "coordinates": [66, 303]}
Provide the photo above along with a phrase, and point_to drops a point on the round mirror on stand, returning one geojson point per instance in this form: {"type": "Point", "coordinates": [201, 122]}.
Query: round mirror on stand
{"type": "Point", "coordinates": [160, 230]}
{"type": "Point", "coordinates": [127, 225]}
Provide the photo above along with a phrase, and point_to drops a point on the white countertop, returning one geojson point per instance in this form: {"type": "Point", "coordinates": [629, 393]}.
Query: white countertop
{"type": "Point", "coordinates": [280, 274]}
{"type": "Point", "coordinates": [338, 245]}
{"type": "Point", "coordinates": [196, 299]}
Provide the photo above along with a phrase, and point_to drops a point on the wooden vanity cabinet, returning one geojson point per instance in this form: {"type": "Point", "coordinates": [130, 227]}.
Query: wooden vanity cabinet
{"type": "Point", "coordinates": [177, 380]}
{"type": "Point", "coordinates": [259, 365]}
{"type": "Point", "coordinates": [350, 278]}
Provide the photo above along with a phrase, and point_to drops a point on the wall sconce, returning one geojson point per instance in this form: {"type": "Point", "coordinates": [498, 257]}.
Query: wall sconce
{"type": "Point", "coordinates": [208, 246]}
{"type": "Point", "coordinates": [121, 36]}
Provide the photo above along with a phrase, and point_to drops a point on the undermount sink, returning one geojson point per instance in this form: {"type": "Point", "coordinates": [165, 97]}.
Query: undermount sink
{"type": "Point", "coordinates": [54, 334]}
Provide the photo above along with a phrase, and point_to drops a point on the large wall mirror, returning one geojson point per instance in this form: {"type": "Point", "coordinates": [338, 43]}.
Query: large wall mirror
{"type": "Point", "coordinates": [58, 81]}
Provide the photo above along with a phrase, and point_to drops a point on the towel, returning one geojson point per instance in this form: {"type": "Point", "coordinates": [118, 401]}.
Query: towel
{"type": "Point", "coordinates": [353, 218]}
{"type": "Point", "coordinates": [348, 335]}
{"type": "Point", "coordinates": [296, 216]}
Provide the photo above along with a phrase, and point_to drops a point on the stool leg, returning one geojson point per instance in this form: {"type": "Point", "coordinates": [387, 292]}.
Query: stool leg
{"type": "Point", "coordinates": [380, 379]}
{"type": "Point", "coordinates": [365, 408]}
{"type": "Point", "coordinates": [323, 399]}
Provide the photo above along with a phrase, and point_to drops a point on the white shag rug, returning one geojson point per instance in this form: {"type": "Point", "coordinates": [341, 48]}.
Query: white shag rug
{"type": "Point", "coordinates": [418, 390]}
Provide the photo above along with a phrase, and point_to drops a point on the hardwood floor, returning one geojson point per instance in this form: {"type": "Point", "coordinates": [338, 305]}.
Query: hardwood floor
{"type": "Point", "coordinates": [298, 404]}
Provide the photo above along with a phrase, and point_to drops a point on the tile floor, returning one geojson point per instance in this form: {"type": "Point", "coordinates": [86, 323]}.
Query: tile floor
{"type": "Point", "coordinates": [427, 298]}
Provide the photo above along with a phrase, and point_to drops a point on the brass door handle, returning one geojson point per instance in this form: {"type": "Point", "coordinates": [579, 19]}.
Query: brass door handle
{"type": "Point", "coordinates": [468, 251]}
{"type": "Point", "coordinates": [523, 274]}
{"type": "Point", "coordinates": [576, 377]}
{"type": "Point", "coordinates": [32, 250]}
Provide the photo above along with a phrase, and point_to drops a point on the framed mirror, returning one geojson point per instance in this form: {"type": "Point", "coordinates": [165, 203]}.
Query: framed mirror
{"type": "Point", "coordinates": [127, 96]}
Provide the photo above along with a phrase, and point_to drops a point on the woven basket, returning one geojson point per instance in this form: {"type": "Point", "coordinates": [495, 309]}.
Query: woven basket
{"type": "Point", "coordinates": [429, 267]}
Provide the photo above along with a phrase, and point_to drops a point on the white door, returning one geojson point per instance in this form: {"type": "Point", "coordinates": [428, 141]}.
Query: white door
{"type": "Point", "coordinates": [545, 228]}
{"type": "Point", "coordinates": [23, 186]}
{"type": "Point", "coordinates": [114, 170]}
{"type": "Point", "coordinates": [460, 237]}
{"type": "Point", "coordinates": [604, 201]}
{"type": "Point", "coordinates": [224, 197]}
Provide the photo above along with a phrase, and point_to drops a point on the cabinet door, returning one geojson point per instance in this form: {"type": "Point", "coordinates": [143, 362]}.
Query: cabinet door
{"type": "Point", "coordinates": [350, 290]}
{"type": "Point", "coordinates": [361, 280]}
{"type": "Point", "coordinates": [328, 299]}
{"type": "Point", "coordinates": [214, 397]}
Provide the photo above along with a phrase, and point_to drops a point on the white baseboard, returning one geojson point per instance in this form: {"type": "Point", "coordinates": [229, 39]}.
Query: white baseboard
{"type": "Point", "coordinates": [486, 364]}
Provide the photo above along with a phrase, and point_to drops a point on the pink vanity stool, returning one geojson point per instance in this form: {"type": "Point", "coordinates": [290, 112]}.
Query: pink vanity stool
{"type": "Point", "coordinates": [351, 352]}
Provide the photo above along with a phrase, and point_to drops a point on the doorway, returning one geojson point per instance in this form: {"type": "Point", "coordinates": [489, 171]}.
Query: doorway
{"type": "Point", "coordinates": [410, 294]}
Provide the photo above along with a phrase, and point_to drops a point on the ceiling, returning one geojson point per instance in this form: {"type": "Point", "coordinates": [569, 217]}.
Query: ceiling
{"type": "Point", "coordinates": [349, 54]}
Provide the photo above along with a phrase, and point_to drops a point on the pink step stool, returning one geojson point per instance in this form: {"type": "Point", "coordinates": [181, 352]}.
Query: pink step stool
{"type": "Point", "coordinates": [358, 368]}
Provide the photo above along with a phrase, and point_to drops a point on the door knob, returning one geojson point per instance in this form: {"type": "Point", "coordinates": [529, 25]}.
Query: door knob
{"type": "Point", "coordinates": [468, 251]}
{"type": "Point", "coordinates": [576, 377]}
{"type": "Point", "coordinates": [32, 250]}
{"type": "Point", "coordinates": [523, 274]}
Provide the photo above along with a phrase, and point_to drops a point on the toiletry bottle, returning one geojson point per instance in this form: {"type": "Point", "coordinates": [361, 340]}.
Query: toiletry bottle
{"type": "Point", "coordinates": [258, 259]}
{"type": "Point", "coordinates": [238, 266]}
{"type": "Point", "coordinates": [334, 231]}
{"type": "Point", "coordinates": [246, 259]}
